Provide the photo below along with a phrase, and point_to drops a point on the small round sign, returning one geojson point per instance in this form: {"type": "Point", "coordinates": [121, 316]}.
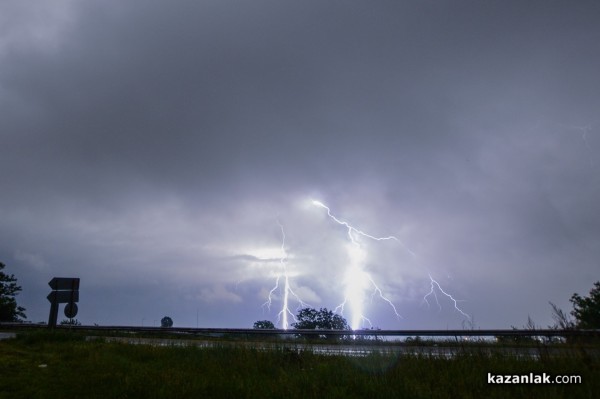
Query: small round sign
{"type": "Point", "coordinates": [71, 310]}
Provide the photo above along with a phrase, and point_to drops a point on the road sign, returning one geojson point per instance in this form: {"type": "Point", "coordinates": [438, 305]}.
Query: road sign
{"type": "Point", "coordinates": [71, 310]}
{"type": "Point", "coordinates": [64, 283]}
{"type": "Point", "coordinates": [63, 296]}
{"type": "Point", "coordinates": [65, 290]}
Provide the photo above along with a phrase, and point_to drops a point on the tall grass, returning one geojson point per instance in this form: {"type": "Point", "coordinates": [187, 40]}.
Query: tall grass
{"type": "Point", "coordinates": [74, 368]}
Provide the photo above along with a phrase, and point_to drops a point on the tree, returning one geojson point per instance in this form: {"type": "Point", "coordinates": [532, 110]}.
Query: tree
{"type": "Point", "coordinates": [166, 322]}
{"type": "Point", "coordinates": [264, 325]}
{"type": "Point", "coordinates": [9, 310]}
{"type": "Point", "coordinates": [586, 310]}
{"type": "Point", "coordinates": [322, 319]}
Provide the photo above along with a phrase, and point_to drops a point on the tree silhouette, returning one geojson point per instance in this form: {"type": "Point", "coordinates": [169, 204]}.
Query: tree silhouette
{"type": "Point", "coordinates": [264, 325]}
{"type": "Point", "coordinates": [9, 310]}
{"type": "Point", "coordinates": [322, 319]}
{"type": "Point", "coordinates": [166, 322]}
{"type": "Point", "coordinates": [586, 310]}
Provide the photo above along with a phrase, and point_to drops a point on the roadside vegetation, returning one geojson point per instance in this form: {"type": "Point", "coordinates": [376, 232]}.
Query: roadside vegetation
{"type": "Point", "coordinates": [68, 363]}
{"type": "Point", "coordinates": [64, 364]}
{"type": "Point", "coordinates": [10, 311]}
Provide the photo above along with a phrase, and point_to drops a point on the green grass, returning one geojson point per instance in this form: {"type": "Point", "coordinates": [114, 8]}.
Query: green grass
{"type": "Point", "coordinates": [79, 369]}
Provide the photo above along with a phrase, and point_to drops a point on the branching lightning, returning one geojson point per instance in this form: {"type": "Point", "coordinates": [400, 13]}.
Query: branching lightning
{"type": "Point", "coordinates": [282, 316]}
{"type": "Point", "coordinates": [357, 279]}
{"type": "Point", "coordinates": [357, 282]}
{"type": "Point", "coordinates": [352, 229]}
{"type": "Point", "coordinates": [434, 284]}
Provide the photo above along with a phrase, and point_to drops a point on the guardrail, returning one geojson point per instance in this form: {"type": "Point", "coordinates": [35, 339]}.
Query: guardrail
{"type": "Point", "coordinates": [370, 333]}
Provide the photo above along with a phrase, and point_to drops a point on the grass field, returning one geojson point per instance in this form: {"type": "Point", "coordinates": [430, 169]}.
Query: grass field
{"type": "Point", "coordinates": [64, 365]}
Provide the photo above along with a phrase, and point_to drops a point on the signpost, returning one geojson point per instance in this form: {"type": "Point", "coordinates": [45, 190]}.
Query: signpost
{"type": "Point", "coordinates": [65, 290]}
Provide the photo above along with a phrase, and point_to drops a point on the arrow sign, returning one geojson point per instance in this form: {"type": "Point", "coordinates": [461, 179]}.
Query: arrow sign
{"type": "Point", "coordinates": [63, 296]}
{"type": "Point", "coordinates": [64, 283]}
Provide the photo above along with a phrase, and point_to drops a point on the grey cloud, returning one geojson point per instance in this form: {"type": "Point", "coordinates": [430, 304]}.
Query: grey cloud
{"type": "Point", "coordinates": [155, 141]}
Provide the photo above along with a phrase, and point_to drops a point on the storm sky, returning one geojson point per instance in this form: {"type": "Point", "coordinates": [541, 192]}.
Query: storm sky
{"type": "Point", "coordinates": [152, 148]}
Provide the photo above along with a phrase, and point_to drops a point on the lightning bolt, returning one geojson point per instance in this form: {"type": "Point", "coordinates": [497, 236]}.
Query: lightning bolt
{"type": "Point", "coordinates": [434, 284]}
{"type": "Point", "coordinates": [357, 280]}
{"type": "Point", "coordinates": [352, 229]}
{"type": "Point", "coordinates": [282, 316]}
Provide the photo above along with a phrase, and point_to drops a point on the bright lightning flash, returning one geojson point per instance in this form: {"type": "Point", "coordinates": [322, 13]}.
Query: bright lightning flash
{"type": "Point", "coordinates": [282, 316]}
{"type": "Point", "coordinates": [357, 280]}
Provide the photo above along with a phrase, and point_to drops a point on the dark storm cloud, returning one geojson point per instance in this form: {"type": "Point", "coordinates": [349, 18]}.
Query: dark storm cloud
{"type": "Point", "coordinates": [161, 142]}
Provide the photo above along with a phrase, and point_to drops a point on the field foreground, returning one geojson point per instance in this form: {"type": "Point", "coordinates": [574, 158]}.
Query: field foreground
{"type": "Point", "coordinates": [64, 365]}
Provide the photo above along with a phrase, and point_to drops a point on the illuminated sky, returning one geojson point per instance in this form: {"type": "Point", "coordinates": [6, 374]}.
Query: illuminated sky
{"type": "Point", "coordinates": [152, 148]}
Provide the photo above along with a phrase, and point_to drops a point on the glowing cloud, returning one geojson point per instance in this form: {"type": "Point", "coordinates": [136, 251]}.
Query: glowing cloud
{"type": "Point", "coordinates": [357, 280]}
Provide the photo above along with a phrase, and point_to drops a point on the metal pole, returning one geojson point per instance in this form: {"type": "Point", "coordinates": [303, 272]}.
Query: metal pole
{"type": "Point", "coordinates": [53, 311]}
